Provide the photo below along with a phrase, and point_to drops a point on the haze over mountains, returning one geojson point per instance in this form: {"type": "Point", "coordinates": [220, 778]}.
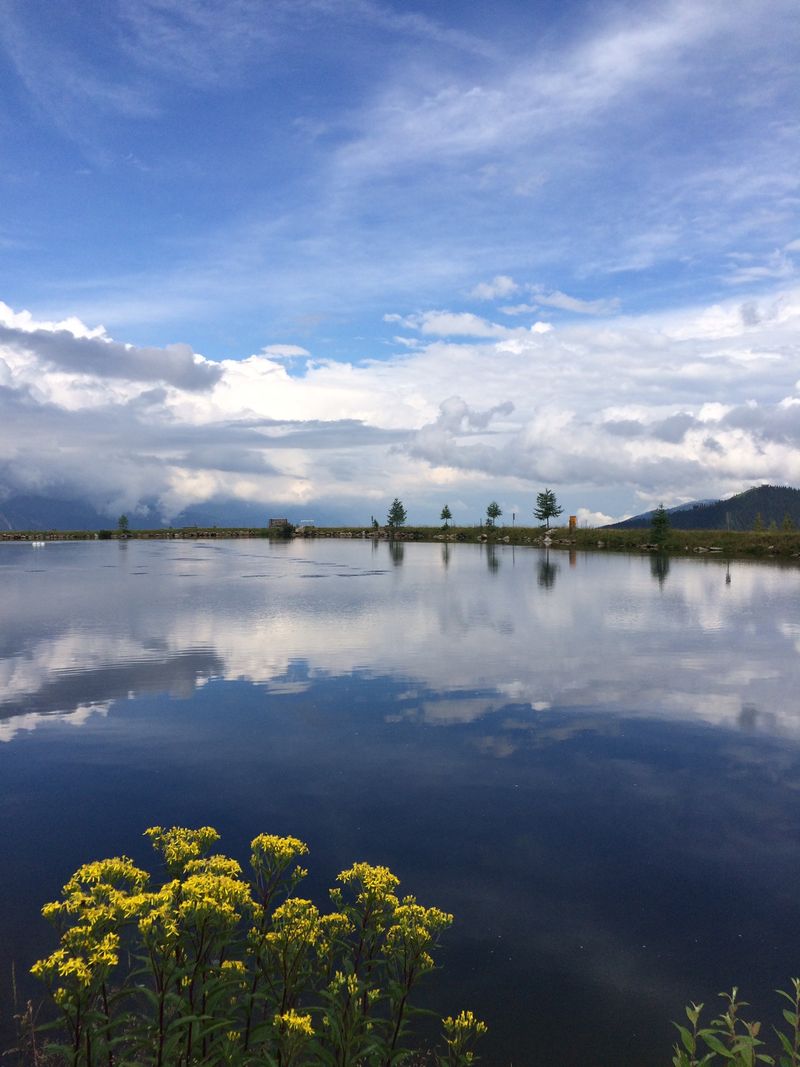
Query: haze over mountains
{"type": "Point", "coordinates": [35, 512]}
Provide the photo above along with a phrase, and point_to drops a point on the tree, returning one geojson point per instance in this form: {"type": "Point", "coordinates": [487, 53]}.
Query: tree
{"type": "Point", "coordinates": [659, 525]}
{"type": "Point", "coordinates": [546, 506]}
{"type": "Point", "coordinates": [446, 515]}
{"type": "Point", "coordinates": [758, 525]}
{"type": "Point", "coordinates": [493, 512]}
{"type": "Point", "coordinates": [397, 514]}
{"type": "Point", "coordinates": [123, 525]}
{"type": "Point", "coordinates": [788, 524]}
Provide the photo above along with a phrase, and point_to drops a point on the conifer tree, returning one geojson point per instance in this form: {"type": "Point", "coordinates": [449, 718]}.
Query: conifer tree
{"type": "Point", "coordinates": [546, 506]}
{"type": "Point", "coordinates": [659, 525]}
{"type": "Point", "coordinates": [397, 514]}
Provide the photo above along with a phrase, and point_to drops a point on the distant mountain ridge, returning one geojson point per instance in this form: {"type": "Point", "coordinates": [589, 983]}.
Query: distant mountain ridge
{"type": "Point", "coordinates": [771, 502]}
{"type": "Point", "coordinates": [45, 512]}
{"type": "Point", "coordinates": [33, 512]}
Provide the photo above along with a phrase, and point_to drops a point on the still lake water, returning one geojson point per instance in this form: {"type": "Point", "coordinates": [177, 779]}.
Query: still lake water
{"type": "Point", "coordinates": [592, 760]}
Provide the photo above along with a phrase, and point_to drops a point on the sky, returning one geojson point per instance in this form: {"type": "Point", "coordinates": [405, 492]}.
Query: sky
{"type": "Point", "coordinates": [319, 254]}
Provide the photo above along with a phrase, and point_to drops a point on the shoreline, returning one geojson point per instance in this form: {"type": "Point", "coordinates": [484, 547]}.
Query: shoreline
{"type": "Point", "coordinates": [766, 544]}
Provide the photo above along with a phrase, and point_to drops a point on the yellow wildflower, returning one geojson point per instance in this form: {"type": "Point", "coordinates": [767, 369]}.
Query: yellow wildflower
{"type": "Point", "coordinates": [280, 851]}
{"type": "Point", "coordinates": [370, 882]}
{"type": "Point", "coordinates": [293, 1023]}
{"type": "Point", "coordinates": [216, 864]}
{"type": "Point", "coordinates": [462, 1030]}
{"type": "Point", "coordinates": [178, 844]}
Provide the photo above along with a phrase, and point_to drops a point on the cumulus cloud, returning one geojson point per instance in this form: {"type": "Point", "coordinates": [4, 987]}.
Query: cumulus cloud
{"type": "Point", "coordinates": [99, 357]}
{"type": "Point", "coordinates": [688, 404]}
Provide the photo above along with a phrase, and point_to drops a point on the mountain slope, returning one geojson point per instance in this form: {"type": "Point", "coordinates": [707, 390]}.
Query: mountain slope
{"type": "Point", "coordinates": [739, 512]}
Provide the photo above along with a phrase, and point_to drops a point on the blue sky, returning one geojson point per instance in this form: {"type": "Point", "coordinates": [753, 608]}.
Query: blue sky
{"type": "Point", "coordinates": [451, 251]}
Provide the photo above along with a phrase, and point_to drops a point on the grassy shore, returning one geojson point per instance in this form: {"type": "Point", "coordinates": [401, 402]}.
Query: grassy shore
{"type": "Point", "coordinates": [762, 544]}
{"type": "Point", "coordinates": [766, 544]}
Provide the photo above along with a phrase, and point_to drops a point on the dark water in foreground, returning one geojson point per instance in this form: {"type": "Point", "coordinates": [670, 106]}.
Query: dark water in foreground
{"type": "Point", "coordinates": [594, 764]}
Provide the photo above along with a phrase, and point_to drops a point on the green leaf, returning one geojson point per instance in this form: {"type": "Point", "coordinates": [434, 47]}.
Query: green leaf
{"type": "Point", "coordinates": [687, 1037]}
{"type": "Point", "coordinates": [715, 1044]}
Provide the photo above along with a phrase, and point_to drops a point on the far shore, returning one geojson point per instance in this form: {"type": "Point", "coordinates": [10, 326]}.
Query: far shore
{"type": "Point", "coordinates": [764, 544]}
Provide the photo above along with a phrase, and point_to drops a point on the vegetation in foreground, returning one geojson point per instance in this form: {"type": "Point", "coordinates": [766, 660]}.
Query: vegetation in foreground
{"type": "Point", "coordinates": [212, 967]}
{"type": "Point", "coordinates": [733, 1040]}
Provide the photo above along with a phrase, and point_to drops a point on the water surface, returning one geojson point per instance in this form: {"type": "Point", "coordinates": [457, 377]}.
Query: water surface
{"type": "Point", "coordinates": [591, 760]}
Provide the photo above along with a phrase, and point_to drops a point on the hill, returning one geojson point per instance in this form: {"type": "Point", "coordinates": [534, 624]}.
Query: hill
{"type": "Point", "coordinates": [739, 512]}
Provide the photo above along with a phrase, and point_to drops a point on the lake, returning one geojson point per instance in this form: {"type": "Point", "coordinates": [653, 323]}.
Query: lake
{"type": "Point", "coordinates": [591, 760]}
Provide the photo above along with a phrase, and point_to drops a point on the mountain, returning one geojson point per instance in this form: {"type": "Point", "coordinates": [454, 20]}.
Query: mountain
{"type": "Point", "coordinates": [42, 512]}
{"type": "Point", "coordinates": [739, 512]}
{"type": "Point", "coordinates": [32, 512]}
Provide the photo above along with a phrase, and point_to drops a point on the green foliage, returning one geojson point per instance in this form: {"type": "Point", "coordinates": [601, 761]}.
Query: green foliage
{"type": "Point", "coordinates": [214, 967]}
{"type": "Point", "coordinates": [758, 523]}
{"type": "Point", "coordinates": [123, 525]}
{"type": "Point", "coordinates": [788, 524]}
{"type": "Point", "coordinates": [445, 516]}
{"type": "Point", "coordinates": [730, 1039]}
{"type": "Point", "coordinates": [493, 513]}
{"type": "Point", "coordinates": [660, 525]}
{"type": "Point", "coordinates": [397, 514]}
{"type": "Point", "coordinates": [546, 507]}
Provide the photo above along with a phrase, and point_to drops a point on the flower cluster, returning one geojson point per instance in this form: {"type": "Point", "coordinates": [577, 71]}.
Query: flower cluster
{"type": "Point", "coordinates": [222, 970]}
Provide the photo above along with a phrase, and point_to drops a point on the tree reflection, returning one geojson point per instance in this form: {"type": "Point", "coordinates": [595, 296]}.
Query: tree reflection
{"type": "Point", "coordinates": [492, 559]}
{"type": "Point", "coordinates": [547, 571]}
{"type": "Point", "coordinates": [397, 551]}
{"type": "Point", "coordinates": [446, 554]}
{"type": "Point", "coordinates": [659, 567]}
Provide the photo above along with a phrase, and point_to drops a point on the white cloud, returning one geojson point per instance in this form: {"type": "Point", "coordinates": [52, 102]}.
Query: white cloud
{"type": "Point", "coordinates": [285, 351]}
{"type": "Point", "coordinates": [500, 286]}
{"type": "Point", "coordinates": [586, 517]}
{"type": "Point", "coordinates": [710, 406]}
{"type": "Point", "coordinates": [455, 324]}
{"type": "Point", "coordinates": [557, 299]}
{"type": "Point", "coordinates": [775, 266]}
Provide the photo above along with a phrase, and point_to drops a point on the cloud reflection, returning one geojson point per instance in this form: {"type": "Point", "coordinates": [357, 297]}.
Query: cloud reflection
{"type": "Point", "coordinates": [166, 617]}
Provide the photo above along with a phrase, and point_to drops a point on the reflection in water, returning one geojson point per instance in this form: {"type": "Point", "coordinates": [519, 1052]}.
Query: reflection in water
{"type": "Point", "coordinates": [574, 751]}
{"type": "Point", "coordinates": [81, 630]}
{"type": "Point", "coordinates": [492, 559]}
{"type": "Point", "coordinates": [547, 571]}
{"type": "Point", "coordinates": [659, 567]}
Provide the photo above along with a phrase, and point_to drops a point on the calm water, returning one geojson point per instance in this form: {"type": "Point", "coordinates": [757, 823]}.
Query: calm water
{"type": "Point", "coordinates": [591, 761]}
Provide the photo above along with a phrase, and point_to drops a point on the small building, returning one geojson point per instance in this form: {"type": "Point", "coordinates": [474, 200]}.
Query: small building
{"type": "Point", "coordinates": [278, 524]}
